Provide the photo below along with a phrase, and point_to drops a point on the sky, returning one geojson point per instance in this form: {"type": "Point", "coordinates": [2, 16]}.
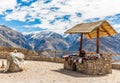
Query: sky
{"type": "Point", "coordinates": [55, 15]}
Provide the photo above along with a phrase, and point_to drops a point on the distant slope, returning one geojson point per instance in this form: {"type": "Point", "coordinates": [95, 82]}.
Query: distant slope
{"type": "Point", "coordinates": [12, 38]}
{"type": "Point", "coordinates": [47, 40]}
{"type": "Point", "coordinates": [107, 44]}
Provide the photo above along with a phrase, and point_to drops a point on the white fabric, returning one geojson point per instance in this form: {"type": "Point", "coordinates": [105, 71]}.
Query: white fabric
{"type": "Point", "coordinates": [18, 59]}
{"type": "Point", "coordinates": [6, 69]}
{"type": "Point", "coordinates": [80, 60]}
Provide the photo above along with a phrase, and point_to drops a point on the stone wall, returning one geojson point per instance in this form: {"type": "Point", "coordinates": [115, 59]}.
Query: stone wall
{"type": "Point", "coordinates": [70, 65]}
{"type": "Point", "coordinates": [93, 67]}
{"type": "Point", "coordinates": [42, 58]}
{"type": "Point", "coordinates": [116, 66]}
{"type": "Point", "coordinates": [3, 55]}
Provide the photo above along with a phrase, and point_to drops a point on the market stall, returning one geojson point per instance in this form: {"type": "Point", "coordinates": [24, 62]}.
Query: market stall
{"type": "Point", "coordinates": [95, 63]}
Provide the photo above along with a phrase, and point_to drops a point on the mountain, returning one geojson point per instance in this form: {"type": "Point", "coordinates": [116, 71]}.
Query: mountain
{"type": "Point", "coordinates": [12, 38]}
{"type": "Point", "coordinates": [71, 38]}
{"type": "Point", "coordinates": [107, 44]}
{"type": "Point", "coordinates": [46, 40]}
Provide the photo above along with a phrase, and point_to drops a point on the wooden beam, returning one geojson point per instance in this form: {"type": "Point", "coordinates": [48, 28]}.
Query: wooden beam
{"type": "Point", "coordinates": [105, 30]}
{"type": "Point", "coordinates": [88, 35]}
{"type": "Point", "coordinates": [97, 41]}
{"type": "Point", "coordinates": [111, 28]}
{"type": "Point", "coordinates": [102, 31]}
{"type": "Point", "coordinates": [81, 40]}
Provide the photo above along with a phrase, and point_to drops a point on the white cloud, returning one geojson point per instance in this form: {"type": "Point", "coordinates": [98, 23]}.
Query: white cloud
{"type": "Point", "coordinates": [9, 4]}
{"type": "Point", "coordinates": [95, 8]}
{"type": "Point", "coordinates": [17, 16]}
{"type": "Point", "coordinates": [25, 0]}
{"type": "Point", "coordinates": [117, 27]}
{"type": "Point", "coordinates": [88, 8]}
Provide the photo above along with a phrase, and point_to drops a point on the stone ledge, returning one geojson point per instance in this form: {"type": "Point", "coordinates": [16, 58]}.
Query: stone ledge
{"type": "Point", "coordinates": [90, 67]}
{"type": "Point", "coordinates": [115, 66]}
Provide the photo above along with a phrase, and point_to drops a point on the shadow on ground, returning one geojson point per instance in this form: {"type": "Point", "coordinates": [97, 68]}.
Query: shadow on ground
{"type": "Point", "coordinates": [2, 71]}
{"type": "Point", "coordinates": [76, 74]}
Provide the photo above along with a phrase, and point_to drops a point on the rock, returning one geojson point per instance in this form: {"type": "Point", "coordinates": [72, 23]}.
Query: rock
{"type": "Point", "coordinates": [14, 62]}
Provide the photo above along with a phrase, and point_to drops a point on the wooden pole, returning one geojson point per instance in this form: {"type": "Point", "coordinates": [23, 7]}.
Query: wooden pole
{"type": "Point", "coordinates": [97, 41]}
{"type": "Point", "coordinates": [40, 52]}
{"type": "Point", "coordinates": [55, 54]}
{"type": "Point", "coordinates": [81, 40]}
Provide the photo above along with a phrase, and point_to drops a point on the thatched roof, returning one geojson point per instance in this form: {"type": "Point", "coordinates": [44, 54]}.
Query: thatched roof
{"type": "Point", "coordinates": [89, 29]}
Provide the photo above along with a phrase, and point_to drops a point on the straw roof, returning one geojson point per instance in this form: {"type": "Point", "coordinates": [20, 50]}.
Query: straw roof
{"type": "Point", "coordinates": [90, 29]}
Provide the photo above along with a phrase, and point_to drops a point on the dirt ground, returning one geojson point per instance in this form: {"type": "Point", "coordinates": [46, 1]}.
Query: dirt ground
{"type": "Point", "coordinates": [48, 72]}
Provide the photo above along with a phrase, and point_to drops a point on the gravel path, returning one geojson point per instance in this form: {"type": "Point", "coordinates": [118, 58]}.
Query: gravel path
{"type": "Point", "coordinates": [47, 72]}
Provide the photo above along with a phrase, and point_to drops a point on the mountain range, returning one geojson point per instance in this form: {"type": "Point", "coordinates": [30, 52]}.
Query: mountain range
{"type": "Point", "coordinates": [48, 40]}
{"type": "Point", "coordinates": [12, 38]}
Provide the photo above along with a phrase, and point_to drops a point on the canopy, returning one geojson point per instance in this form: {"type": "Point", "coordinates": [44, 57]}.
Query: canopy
{"type": "Point", "coordinates": [93, 30]}
{"type": "Point", "coordinates": [89, 29]}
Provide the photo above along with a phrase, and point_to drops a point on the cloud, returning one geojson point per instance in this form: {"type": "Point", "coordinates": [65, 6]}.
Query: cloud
{"type": "Point", "coordinates": [9, 4]}
{"type": "Point", "coordinates": [51, 12]}
{"type": "Point", "coordinates": [95, 8]}
{"type": "Point", "coordinates": [116, 27]}
{"type": "Point", "coordinates": [25, 0]}
{"type": "Point", "coordinates": [20, 16]}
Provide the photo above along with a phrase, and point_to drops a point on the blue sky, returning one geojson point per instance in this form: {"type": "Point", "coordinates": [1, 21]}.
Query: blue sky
{"type": "Point", "coordinates": [56, 15]}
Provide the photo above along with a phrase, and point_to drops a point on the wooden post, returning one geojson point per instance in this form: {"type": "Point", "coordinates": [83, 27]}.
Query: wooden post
{"type": "Point", "coordinates": [54, 52]}
{"type": "Point", "coordinates": [97, 41]}
{"type": "Point", "coordinates": [81, 40]}
{"type": "Point", "coordinates": [64, 52]}
{"type": "Point", "coordinates": [40, 52]}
